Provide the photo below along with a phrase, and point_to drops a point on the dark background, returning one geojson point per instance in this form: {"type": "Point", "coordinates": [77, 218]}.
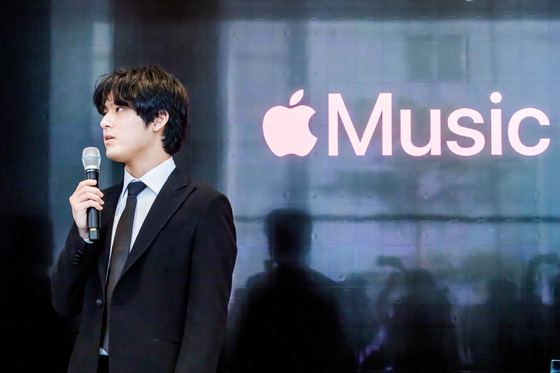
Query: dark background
{"type": "Point", "coordinates": [415, 263]}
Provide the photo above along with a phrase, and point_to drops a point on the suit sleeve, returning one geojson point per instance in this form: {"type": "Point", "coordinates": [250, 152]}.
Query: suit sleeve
{"type": "Point", "coordinates": [213, 259]}
{"type": "Point", "coordinates": [70, 274]}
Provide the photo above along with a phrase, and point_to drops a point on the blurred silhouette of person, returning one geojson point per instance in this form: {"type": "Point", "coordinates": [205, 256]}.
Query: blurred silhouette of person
{"type": "Point", "coordinates": [36, 338]}
{"type": "Point", "coordinates": [555, 316]}
{"type": "Point", "coordinates": [537, 304]}
{"type": "Point", "coordinates": [377, 357]}
{"type": "Point", "coordinates": [491, 329]}
{"type": "Point", "coordinates": [420, 334]}
{"type": "Point", "coordinates": [291, 322]}
{"type": "Point", "coordinates": [360, 324]}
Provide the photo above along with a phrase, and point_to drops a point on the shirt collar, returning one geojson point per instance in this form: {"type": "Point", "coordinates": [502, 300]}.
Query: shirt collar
{"type": "Point", "coordinates": [155, 178]}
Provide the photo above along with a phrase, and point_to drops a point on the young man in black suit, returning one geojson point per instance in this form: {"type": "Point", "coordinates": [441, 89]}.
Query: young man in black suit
{"type": "Point", "coordinates": [169, 301]}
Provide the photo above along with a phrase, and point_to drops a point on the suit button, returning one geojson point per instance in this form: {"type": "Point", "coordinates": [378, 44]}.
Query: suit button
{"type": "Point", "coordinates": [99, 303]}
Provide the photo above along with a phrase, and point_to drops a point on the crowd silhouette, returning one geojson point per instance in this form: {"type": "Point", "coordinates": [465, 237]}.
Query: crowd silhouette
{"type": "Point", "coordinates": [291, 318]}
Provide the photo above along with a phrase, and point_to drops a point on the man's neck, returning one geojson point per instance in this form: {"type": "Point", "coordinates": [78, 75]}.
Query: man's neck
{"type": "Point", "coordinates": [139, 169]}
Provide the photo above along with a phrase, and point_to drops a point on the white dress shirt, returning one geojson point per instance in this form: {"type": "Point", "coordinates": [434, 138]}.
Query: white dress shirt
{"type": "Point", "coordinates": [154, 180]}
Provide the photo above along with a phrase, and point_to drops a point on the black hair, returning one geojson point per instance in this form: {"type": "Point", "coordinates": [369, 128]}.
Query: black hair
{"type": "Point", "coordinates": [149, 90]}
{"type": "Point", "coordinates": [289, 234]}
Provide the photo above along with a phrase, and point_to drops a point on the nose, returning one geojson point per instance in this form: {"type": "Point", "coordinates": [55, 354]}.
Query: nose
{"type": "Point", "coordinates": [105, 121]}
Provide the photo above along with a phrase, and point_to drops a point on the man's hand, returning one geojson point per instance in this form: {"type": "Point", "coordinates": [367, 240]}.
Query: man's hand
{"type": "Point", "coordinates": [85, 196]}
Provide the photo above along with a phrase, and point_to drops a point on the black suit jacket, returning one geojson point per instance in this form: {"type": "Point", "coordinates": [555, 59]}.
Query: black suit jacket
{"type": "Point", "coordinates": [169, 307]}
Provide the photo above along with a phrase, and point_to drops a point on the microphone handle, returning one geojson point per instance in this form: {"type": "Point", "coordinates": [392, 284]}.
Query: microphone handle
{"type": "Point", "coordinates": [92, 214]}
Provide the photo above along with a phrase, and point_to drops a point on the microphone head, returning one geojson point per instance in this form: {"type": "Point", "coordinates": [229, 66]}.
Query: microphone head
{"type": "Point", "coordinates": [91, 158]}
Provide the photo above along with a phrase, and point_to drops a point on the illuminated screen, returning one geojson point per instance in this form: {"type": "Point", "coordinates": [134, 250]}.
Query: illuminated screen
{"type": "Point", "coordinates": [423, 151]}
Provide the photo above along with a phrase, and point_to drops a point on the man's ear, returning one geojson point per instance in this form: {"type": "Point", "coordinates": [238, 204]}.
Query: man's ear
{"type": "Point", "coordinates": [161, 120]}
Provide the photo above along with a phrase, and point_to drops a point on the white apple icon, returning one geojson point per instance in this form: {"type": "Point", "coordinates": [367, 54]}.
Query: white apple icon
{"type": "Point", "coordinates": [286, 129]}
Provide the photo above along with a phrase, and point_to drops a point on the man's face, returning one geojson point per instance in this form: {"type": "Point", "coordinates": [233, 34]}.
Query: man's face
{"type": "Point", "coordinates": [126, 137]}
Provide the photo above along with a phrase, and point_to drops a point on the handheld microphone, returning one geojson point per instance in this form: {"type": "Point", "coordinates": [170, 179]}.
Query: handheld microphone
{"type": "Point", "coordinates": [91, 160]}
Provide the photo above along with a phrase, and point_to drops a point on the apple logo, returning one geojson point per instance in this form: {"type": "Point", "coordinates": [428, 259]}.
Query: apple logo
{"type": "Point", "coordinates": [286, 129]}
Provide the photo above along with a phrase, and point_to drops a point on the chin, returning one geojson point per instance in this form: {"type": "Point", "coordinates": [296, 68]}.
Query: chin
{"type": "Point", "coordinates": [114, 156]}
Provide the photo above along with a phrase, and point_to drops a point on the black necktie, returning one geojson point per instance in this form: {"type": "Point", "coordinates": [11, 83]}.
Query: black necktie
{"type": "Point", "coordinates": [121, 248]}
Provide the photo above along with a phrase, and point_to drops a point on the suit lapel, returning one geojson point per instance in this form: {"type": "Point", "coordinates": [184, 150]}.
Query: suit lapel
{"type": "Point", "coordinates": [107, 217]}
{"type": "Point", "coordinates": [175, 190]}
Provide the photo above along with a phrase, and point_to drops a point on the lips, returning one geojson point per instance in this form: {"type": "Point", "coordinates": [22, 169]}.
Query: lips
{"type": "Point", "coordinates": [108, 138]}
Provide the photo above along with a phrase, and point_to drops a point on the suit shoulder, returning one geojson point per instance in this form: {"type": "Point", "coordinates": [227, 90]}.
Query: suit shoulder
{"type": "Point", "coordinates": [204, 189]}
{"type": "Point", "coordinates": [111, 193]}
{"type": "Point", "coordinates": [113, 189]}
